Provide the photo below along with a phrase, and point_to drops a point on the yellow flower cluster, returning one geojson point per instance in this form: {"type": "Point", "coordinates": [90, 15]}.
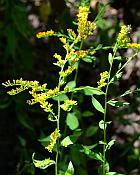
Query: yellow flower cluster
{"type": "Point", "coordinates": [133, 45]}
{"type": "Point", "coordinates": [63, 40]}
{"type": "Point", "coordinates": [104, 76]}
{"type": "Point", "coordinates": [71, 34]}
{"type": "Point", "coordinates": [45, 34]}
{"type": "Point", "coordinates": [123, 38]}
{"type": "Point", "coordinates": [42, 98]}
{"type": "Point", "coordinates": [67, 106]}
{"type": "Point", "coordinates": [80, 54]}
{"type": "Point", "coordinates": [70, 54]}
{"type": "Point", "coordinates": [60, 62]}
{"type": "Point", "coordinates": [23, 85]}
{"type": "Point", "coordinates": [54, 136]}
{"type": "Point", "coordinates": [85, 27]}
{"type": "Point", "coordinates": [67, 71]}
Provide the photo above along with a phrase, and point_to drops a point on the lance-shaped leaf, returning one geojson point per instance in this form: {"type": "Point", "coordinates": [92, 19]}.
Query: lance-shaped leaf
{"type": "Point", "coordinates": [92, 154]}
{"type": "Point", "coordinates": [117, 103]}
{"type": "Point", "coordinates": [88, 90]}
{"type": "Point", "coordinates": [110, 58]}
{"type": "Point", "coordinates": [97, 105]}
{"type": "Point", "coordinates": [113, 173]}
{"type": "Point", "coordinates": [70, 170]}
{"type": "Point", "coordinates": [111, 143]}
{"type": "Point", "coordinates": [42, 164]}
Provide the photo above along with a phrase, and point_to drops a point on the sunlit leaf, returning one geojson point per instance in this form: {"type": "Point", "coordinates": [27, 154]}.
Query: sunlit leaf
{"type": "Point", "coordinates": [72, 121]}
{"type": "Point", "coordinates": [70, 170]}
{"type": "Point", "coordinates": [97, 105]}
{"type": "Point", "coordinates": [42, 164]}
{"type": "Point", "coordinates": [88, 90]}
{"type": "Point", "coordinates": [66, 141]}
{"type": "Point", "coordinates": [110, 58]}
{"type": "Point", "coordinates": [71, 85]}
{"type": "Point", "coordinates": [61, 97]}
{"type": "Point", "coordinates": [103, 124]}
{"type": "Point", "coordinates": [113, 173]}
{"type": "Point", "coordinates": [117, 103]}
{"type": "Point", "coordinates": [110, 144]}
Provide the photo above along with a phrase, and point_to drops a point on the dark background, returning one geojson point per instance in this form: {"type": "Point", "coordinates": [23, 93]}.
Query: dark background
{"type": "Point", "coordinates": [23, 55]}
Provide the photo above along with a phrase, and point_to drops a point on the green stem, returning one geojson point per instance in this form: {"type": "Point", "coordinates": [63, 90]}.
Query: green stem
{"type": "Point", "coordinates": [105, 111]}
{"type": "Point", "coordinates": [58, 119]}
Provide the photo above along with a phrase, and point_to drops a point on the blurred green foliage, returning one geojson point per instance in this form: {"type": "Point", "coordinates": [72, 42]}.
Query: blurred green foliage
{"type": "Point", "coordinates": [24, 129]}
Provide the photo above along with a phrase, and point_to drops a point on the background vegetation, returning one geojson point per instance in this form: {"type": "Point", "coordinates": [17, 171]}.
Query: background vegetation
{"type": "Point", "coordinates": [22, 55]}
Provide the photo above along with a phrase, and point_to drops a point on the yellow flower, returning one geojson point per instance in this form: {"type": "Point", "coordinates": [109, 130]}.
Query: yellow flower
{"type": "Point", "coordinates": [63, 40]}
{"type": "Point", "coordinates": [67, 71]}
{"type": "Point", "coordinates": [45, 34]}
{"type": "Point", "coordinates": [123, 38]}
{"type": "Point", "coordinates": [71, 33]}
{"type": "Point", "coordinates": [60, 62]}
{"type": "Point", "coordinates": [85, 27]}
{"type": "Point", "coordinates": [133, 45]}
{"type": "Point", "coordinates": [54, 136]}
{"type": "Point", "coordinates": [67, 106]}
{"type": "Point", "coordinates": [104, 76]}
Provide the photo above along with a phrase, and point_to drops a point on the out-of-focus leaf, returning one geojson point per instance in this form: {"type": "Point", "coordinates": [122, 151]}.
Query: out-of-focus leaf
{"type": "Point", "coordinates": [117, 103]}
{"type": "Point", "coordinates": [87, 114]}
{"type": "Point", "coordinates": [92, 130]}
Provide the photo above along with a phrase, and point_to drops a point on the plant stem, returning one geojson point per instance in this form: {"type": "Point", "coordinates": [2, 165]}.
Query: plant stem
{"type": "Point", "coordinates": [105, 111]}
{"type": "Point", "coordinates": [58, 119]}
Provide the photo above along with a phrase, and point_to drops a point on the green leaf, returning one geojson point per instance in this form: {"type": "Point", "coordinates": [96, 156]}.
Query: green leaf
{"type": "Point", "coordinates": [101, 12]}
{"type": "Point", "coordinates": [92, 154]}
{"type": "Point", "coordinates": [87, 59]}
{"type": "Point", "coordinates": [110, 58]}
{"type": "Point", "coordinates": [87, 114]}
{"type": "Point", "coordinates": [69, 140]}
{"type": "Point", "coordinates": [113, 173]}
{"type": "Point", "coordinates": [92, 130]}
{"type": "Point", "coordinates": [126, 93]}
{"type": "Point", "coordinates": [88, 90]}
{"type": "Point", "coordinates": [61, 97]}
{"type": "Point", "coordinates": [117, 103]}
{"type": "Point", "coordinates": [66, 141]}
{"type": "Point", "coordinates": [42, 164]}
{"type": "Point", "coordinates": [102, 125]}
{"type": "Point", "coordinates": [110, 144]}
{"type": "Point", "coordinates": [99, 47]}
{"type": "Point", "coordinates": [70, 170]}
{"type": "Point", "coordinates": [116, 77]}
{"type": "Point", "coordinates": [71, 85]}
{"type": "Point", "coordinates": [72, 121]}
{"type": "Point", "coordinates": [97, 105]}
{"type": "Point", "coordinates": [118, 58]}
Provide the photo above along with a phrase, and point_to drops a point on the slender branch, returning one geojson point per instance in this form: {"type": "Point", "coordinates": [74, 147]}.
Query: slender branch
{"type": "Point", "coordinates": [105, 111]}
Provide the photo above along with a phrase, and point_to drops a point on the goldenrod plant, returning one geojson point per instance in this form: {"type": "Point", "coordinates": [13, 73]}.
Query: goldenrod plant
{"type": "Point", "coordinates": [64, 92]}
